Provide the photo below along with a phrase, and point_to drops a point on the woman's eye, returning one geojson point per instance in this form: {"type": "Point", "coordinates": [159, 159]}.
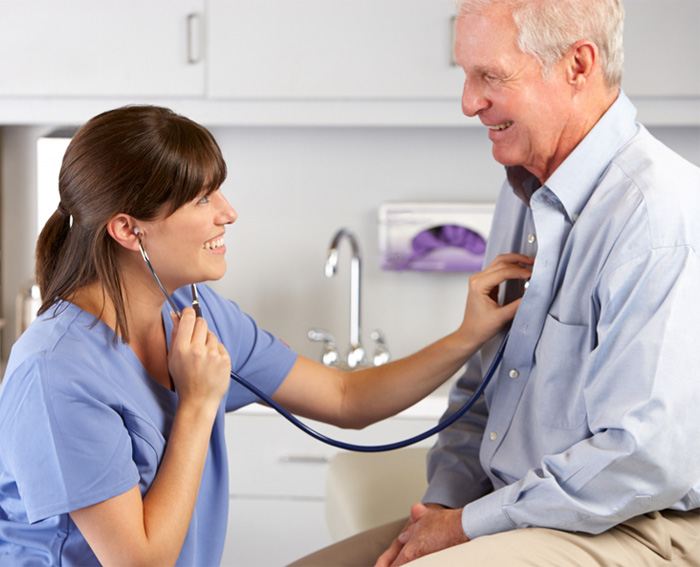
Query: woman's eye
{"type": "Point", "coordinates": [203, 200]}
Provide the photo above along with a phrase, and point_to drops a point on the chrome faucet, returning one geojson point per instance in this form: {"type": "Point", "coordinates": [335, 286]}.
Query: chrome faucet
{"type": "Point", "coordinates": [356, 356]}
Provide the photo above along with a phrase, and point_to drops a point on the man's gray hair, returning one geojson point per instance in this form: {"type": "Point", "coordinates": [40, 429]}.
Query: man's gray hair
{"type": "Point", "coordinates": [547, 28]}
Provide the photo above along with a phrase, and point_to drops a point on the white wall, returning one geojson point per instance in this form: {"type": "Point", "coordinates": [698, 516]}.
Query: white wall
{"type": "Point", "coordinates": [293, 188]}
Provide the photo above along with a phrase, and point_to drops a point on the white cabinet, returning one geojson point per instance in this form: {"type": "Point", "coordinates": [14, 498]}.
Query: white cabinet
{"type": "Point", "coordinates": [278, 480]}
{"type": "Point", "coordinates": [401, 49]}
{"type": "Point", "coordinates": [292, 62]}
{"type": "Point", "coordinates": [102, 48]}
{"type": "Point", "coordinates": [342, 49]}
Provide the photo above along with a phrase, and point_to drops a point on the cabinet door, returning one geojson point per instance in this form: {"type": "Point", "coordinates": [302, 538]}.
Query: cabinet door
{"type": "Point", "coordinates": [332, 49]}
{"type": "Point", "coordinates": [265, 532]}
{"type": "Point", "coordinates": [662, 48]}
{"type": "Point", "coordinates": [278, 482]}
{"type": "Point", "coordinates": [269, 456]}
{"type": "Point", "coordinates": [105, 47]}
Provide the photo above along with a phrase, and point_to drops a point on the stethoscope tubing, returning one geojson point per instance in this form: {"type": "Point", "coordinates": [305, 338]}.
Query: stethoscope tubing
{"type": "Point", "coordinates": [388, 446]}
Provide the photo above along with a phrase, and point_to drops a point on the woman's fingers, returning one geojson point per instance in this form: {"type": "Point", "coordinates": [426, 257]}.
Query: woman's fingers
{"type": "Point", "coordinates": [512, 258]}
{"type": "Point", "coordinates": [198, 362]}
{"type": "Point", "coordinates": [504, 267]}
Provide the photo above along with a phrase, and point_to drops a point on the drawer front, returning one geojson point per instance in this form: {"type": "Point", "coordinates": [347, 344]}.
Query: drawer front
{"type": "Point", "coordinates": [270, 457]}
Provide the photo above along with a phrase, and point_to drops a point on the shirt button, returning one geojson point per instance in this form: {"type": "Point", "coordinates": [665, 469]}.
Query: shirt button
{"type": "Point", "coordinates": [513, 373]}
{"type": "Point", "coordinates": [493, 436]}
{"type": "Point", "coordinates": [531, 238]}
{"type": "Point", "coordinates": [575, 217]}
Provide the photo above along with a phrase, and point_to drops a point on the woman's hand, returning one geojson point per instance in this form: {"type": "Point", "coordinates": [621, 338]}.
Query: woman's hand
{"type": "Point", "coordinates": [483, 317]}
{"type": "Point", "coordinates": [198, 362]}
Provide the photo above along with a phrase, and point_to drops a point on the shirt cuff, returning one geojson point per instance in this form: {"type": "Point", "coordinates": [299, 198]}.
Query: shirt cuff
{"type": "Point", "coordinates": [486, 516]}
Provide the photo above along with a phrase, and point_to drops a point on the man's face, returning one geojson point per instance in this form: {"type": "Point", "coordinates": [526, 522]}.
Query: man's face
{"type": "Point", "coordinates": [527, 115]}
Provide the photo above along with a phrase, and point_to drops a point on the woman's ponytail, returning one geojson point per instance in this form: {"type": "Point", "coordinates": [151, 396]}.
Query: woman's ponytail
{"type": "Point", "coordinates": [49, 246]}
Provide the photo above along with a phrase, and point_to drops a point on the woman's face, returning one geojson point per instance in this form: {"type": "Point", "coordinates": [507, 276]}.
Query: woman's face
{"type": "Point", "coordinates": [188, 246]}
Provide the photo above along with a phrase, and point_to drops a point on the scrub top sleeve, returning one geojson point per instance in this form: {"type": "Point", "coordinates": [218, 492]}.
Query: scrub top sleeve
{"type": "Point", "coordinates": [66, 447]}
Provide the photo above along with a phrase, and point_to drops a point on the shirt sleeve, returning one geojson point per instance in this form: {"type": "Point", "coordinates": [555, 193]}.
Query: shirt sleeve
{"type": "Point", "coordinates": [66, 446]}
{"type": "Point", "coordinates": [640, 389]}
{"type": "Point", "coordinates": [455, 476]}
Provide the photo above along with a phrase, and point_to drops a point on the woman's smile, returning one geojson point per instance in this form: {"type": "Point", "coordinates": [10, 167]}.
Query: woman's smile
{"type": "Point", "coordinates": [214, 244]}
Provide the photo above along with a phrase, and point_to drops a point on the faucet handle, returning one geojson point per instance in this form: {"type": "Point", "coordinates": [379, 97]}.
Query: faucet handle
{"type": "Point", "coordinates": [330, 356]}
{"type": "Point", "coordinates": [381, 352]}
{"type": "Point", "coordinates": [356, 356]}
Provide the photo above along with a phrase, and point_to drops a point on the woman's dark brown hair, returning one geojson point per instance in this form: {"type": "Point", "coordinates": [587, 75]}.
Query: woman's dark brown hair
{"type": "Point", "coordinates": [144, 161]}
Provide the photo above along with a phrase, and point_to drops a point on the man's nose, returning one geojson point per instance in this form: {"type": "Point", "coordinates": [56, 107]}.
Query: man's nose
{"type": "Point", "coordinates": [473, 100]}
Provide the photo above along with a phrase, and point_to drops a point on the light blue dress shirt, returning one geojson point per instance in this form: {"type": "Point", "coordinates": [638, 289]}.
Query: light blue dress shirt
{"type": "Point", "coordinates": [592, 417]}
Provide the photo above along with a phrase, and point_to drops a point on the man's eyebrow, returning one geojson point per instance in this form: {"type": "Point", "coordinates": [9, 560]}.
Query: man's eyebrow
{"type": "Point", "coordinates": [495, 70]}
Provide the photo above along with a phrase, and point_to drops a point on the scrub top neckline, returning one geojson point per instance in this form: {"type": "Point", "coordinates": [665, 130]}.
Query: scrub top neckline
{"type": "Point", "coordinates": [168, 395]}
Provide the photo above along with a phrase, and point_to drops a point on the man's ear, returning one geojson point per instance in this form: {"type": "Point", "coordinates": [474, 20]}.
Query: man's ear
{"type": "Point", "coordinates": [121, 228]}
{"type": "Point", "coordinates": [582, 59]}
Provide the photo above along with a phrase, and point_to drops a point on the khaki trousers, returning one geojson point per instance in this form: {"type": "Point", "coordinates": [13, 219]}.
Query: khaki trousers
{"type": "Point", "coordinates": [653, 540]}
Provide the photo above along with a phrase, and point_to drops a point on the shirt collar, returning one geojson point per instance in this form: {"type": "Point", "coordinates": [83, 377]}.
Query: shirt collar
{"type": "Point", "coordinates": [523, 182]}
{"type": "Point", "coordinates": [575, 179]}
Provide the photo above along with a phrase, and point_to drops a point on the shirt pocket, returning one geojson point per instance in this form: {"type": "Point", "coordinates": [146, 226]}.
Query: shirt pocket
{"type": "Point", "coordinates": [560, 361]}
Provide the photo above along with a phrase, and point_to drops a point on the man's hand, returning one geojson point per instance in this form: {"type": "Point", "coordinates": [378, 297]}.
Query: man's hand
{"type": "Point", "coordinates": [430, 528]}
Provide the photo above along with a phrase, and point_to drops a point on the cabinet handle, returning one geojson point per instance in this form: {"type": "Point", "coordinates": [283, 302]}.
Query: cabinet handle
{"type": "Point", "coordinates": [453, 40]}
{"type": "Point", "coordinates": [195, 47]}
{"type": "Point", "coordinates": [305, 459]}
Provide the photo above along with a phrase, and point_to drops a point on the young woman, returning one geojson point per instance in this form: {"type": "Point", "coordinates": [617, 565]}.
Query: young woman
{"type": "Point", "coordinates": [112, 409]}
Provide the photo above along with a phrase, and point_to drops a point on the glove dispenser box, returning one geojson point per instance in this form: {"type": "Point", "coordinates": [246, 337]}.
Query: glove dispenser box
{"type": "Point", "coordinates": [433, 237]}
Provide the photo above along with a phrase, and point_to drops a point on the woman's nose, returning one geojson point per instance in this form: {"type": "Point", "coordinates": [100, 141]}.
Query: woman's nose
{"type": "Point", "coordinates": [226, 214]}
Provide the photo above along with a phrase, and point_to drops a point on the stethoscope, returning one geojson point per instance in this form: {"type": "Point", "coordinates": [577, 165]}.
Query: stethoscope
{"type": "Point", "coordinates": [309, 430]}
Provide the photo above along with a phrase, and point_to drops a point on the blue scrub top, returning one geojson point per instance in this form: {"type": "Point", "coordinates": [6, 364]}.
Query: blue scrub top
{"type": "Point", "coordinates": [81, 421]}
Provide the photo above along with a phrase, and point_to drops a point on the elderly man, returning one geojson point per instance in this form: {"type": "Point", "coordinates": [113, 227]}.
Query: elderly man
{"type": "Point", "coordinates": [586, 450]}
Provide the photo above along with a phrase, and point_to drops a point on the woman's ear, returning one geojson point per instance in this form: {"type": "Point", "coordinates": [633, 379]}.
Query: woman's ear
{"type": "Point", "coordinates": [124, 229]}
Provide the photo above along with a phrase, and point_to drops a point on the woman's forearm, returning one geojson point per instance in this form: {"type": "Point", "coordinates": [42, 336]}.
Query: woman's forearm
{"type": "Point", "coordinates": [376, 393]}
{"type": "Point", "coordinates": [169, 503]}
